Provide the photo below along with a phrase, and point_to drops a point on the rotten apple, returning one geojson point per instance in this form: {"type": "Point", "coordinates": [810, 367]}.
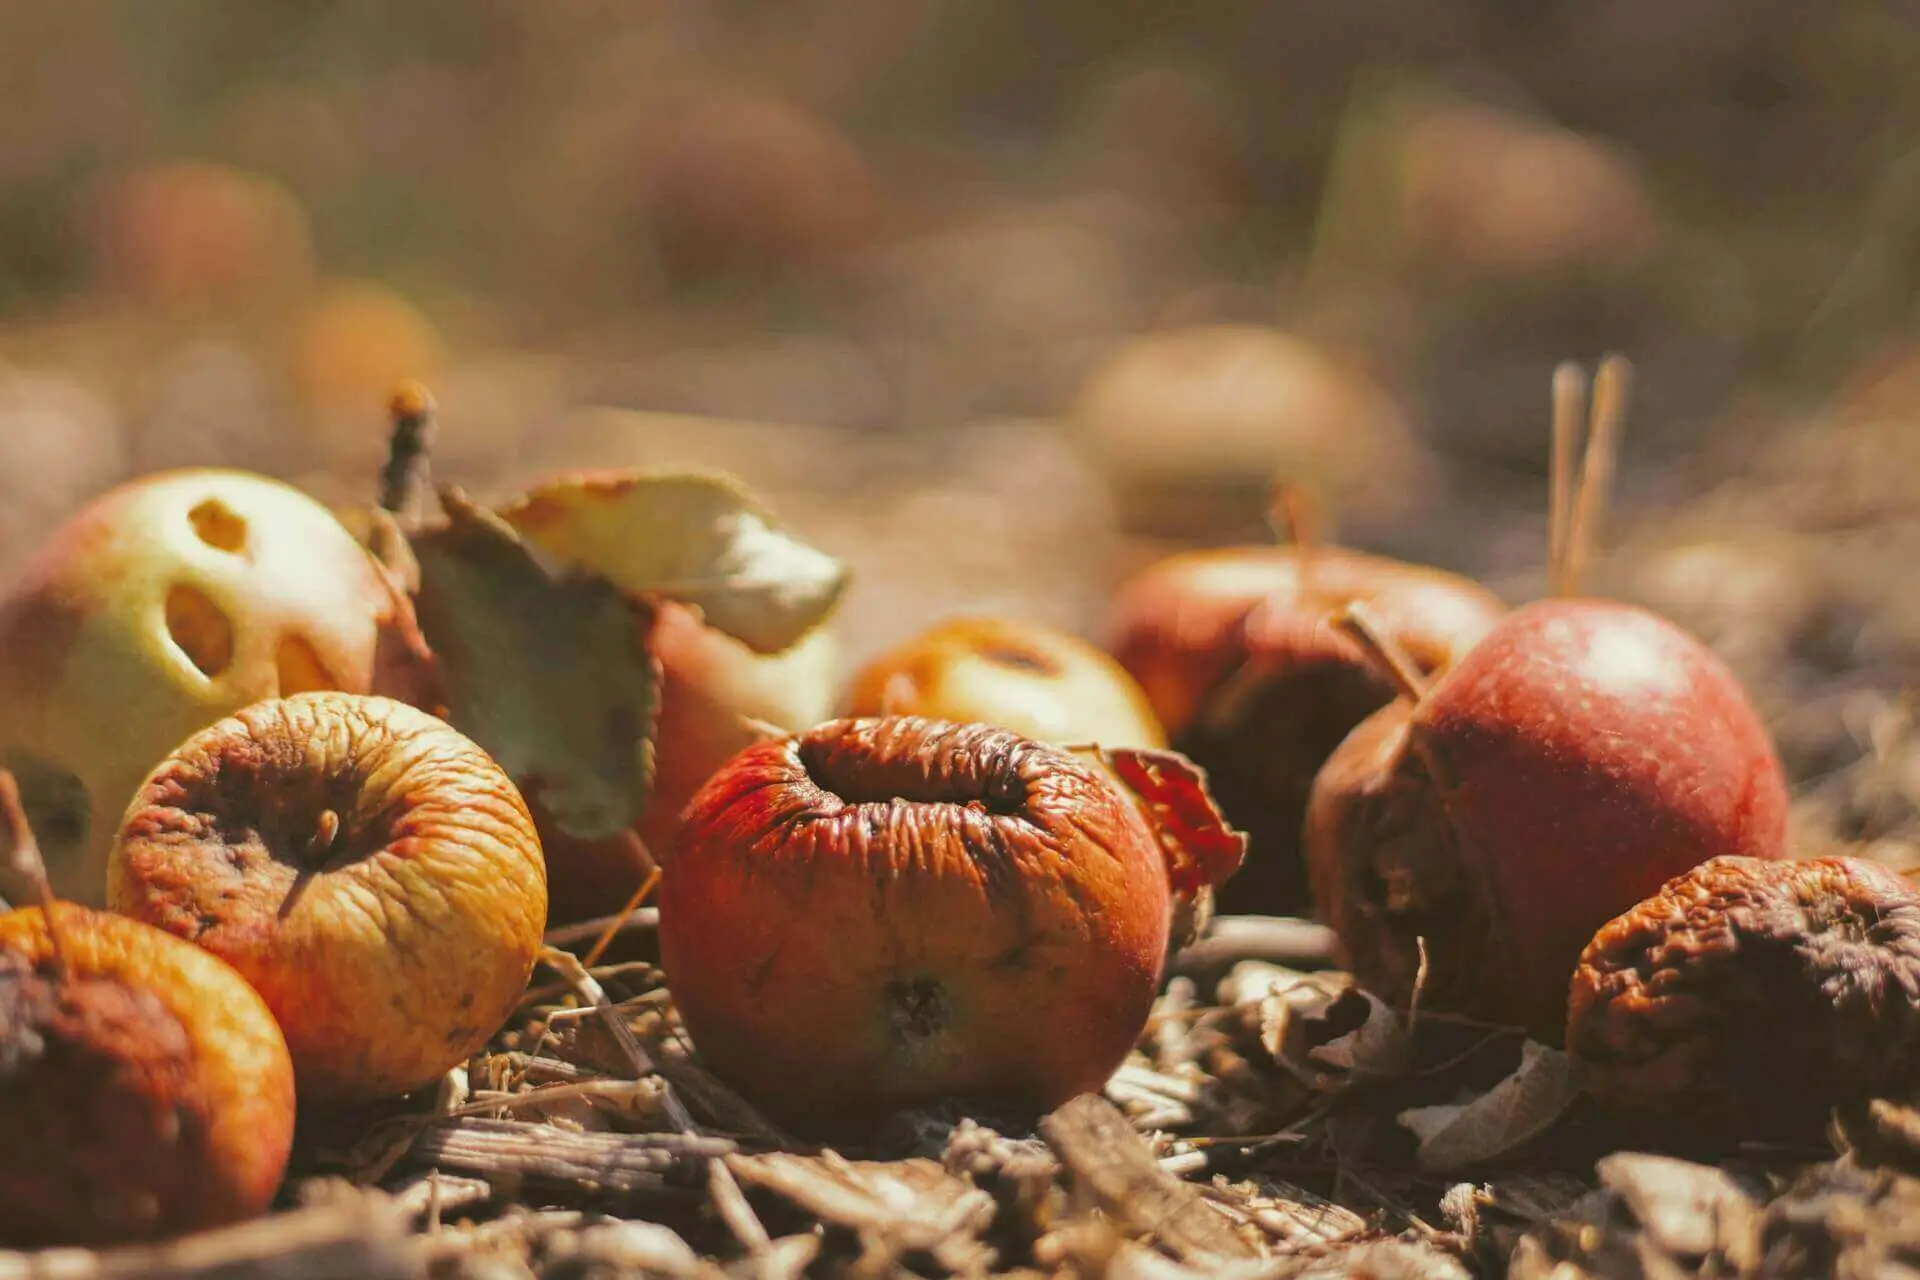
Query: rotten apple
{"type": "Point", "coordinates": [1238, 658]}
{"type": "Point", "coordinates": [1032, 679]}
{"type": "Point", "coordinates": [372, 872]}
{"type": "Point", "coordinates": [145, 1090]}
{"type": "Point", "coordinates": [1580, 756]}
{"type": "Point", "coordinates": [161, 606]}
{"type": "Point", "coordinates": [879, 913]}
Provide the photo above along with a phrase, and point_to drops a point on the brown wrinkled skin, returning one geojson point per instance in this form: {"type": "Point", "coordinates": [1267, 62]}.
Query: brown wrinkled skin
{"type": "Point", "coordinates": [1236, 656]}
{"type": "Point", "coordinates": [147, 1093]}
{"type": "Point", "coordinates": [882, 913]}
{"type": "Point", "coordinates": [392, 954]}
{"type": "Point", "coordinates": [1755, 993]}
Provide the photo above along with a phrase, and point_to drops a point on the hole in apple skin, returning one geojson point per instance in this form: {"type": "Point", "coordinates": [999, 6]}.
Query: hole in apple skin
{"type": "Point", "coordinates": [219, 526]}
{"type": "Point", "coordinates": [300, 669]}
{"type": "Point", "coordinates": [202, 632]}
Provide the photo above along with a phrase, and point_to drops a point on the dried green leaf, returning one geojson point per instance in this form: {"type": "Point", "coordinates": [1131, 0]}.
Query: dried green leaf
{"type": "Point", "coordinates": [551, 673]}
{"type": "Point", "coordinates": [698, 538]}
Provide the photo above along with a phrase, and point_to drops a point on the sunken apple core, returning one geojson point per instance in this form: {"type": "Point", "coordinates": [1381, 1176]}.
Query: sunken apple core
{"type": "Point", "coordinates": [882, 913]}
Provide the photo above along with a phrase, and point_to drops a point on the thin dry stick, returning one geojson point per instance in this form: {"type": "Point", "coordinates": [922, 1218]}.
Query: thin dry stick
{"type": "Point", "coordinates": [586, 930]}
{"type": "Point", "coordinates": [619, 922]}
{"type": "Point", "coordinates": [730, 1202]}
{"type": "Point", "coordinates": [25, 862]}
{"type": "Point", "coordinates": [1388, 658]}
{"type": "Point", "coordinates": [1295, 516]}
{"type": "Point", "coordinates": [584, 985]}
{"type": "Point", "coordinates": [1569, 395]}
{"type": "Point", "coordinates": [412, 411]}
{"type": "Point", "coordinates": [1596, 469]}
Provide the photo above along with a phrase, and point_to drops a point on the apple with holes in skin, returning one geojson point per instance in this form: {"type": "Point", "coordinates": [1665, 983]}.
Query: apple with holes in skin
{"type": "Point", "coordinates": [369, 869]}
{"type": "Point", "coordinates": [1023, 676]}
{"type": "Point", "coordinates": [145, 1089]}
{"type": "Point", "coordinates": [1578, 758]}
{"type": "Point", "coordinates": [1252, 682]}
{"type": "Point", "coordinates": [161, 606]}
{"type": "Point", "coordinates": [880, 913]}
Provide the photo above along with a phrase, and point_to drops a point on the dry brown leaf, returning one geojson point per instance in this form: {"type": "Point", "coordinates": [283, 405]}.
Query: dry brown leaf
{"type": "Point", "coordinates": [1503, 1119]}
{"type": "Point", "coordinates": [552, 675]}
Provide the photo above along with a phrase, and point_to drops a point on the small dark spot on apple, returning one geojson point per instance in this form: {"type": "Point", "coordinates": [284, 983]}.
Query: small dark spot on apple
{"type": "Point", "coordinates": [1015, 957]}
{"type": "Point", "coordinates": [918, 1008]}
{"type": "Point", "coordinates": [1019, 658]}
{"type": "Point", "coordinates": [205, 924]}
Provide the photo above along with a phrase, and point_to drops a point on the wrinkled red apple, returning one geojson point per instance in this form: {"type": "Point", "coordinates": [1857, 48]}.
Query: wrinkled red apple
{"type": "Point", "coordinates": [1579, 757]}
{"type": "Point", "coordinates": [1032, 679]}
{"type": "Point", "coordinates": [1236, 652]}
{"type": "Point", "coordinates": [880, 913]}
{"type": "Point", "coordinates": [161, 606]}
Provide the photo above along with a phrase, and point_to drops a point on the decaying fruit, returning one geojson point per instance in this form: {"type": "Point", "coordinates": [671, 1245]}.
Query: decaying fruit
{"type": "Point", "coordinates": [1755, 993]}
{"type": "Point", "coordinates": [1237, 655]}
{"type": "Point", "coordinates": [163, 605]}
{"type": "Point", "coordinates": [145, 1090]}
{"type": "Point", "coordinates": [879, 913]}
{"type": "Point", "coordinates": [1577, 758]}
{"type": "Point", "coordinates": [368, 869]}
{"type": "Point", "coordinates": [1033, 679]}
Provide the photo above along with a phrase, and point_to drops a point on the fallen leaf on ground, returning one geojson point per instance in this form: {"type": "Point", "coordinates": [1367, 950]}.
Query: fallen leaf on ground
{"type": "Point", "coordinates": [1503, 1119]}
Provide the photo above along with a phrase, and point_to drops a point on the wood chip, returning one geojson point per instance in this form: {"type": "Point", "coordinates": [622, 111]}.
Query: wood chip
{"type": "Point", "coordinates": [557, 1158]}
{"type": "Point", "coordinates": [1116, 1165]}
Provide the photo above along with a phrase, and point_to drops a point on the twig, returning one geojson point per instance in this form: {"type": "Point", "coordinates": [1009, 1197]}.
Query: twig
{"type": "Point", "coordinates": [412, 411]}
{"type": "Point", "coordinates": [639, 919]}
{"type": "Point", "coordinates": [1282, 940]}
{"type": "Point", "coordinates": [619, 922]}
{"type": "Point", "coordinates": [568, 966]}
{"type": "Point", "coordinates": [364, 1239]}
{"type": "Point", "coordinates": [1569, 394]}
{"type": "Point", "coordinates": [1392, 661]}
{"type": "Point", "coordinates": [1294, 515]}
{"type": "Point", "coordinates": [25, 863]}
{"type": "Point", "coordinates": [730, 1202]}
{"type": "Point", "coordinates": [1596, 469]}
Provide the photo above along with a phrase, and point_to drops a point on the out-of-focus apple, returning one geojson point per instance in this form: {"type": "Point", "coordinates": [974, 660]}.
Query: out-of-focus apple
{"type": "Point", "coordinates": [192, 234]}
{"type": "Point", "coordinates": [352, 343]}
{"type": "Point", "coordinates": [1037, 681]}
{"type": "Point", "coordinates": [371, 871]}
{"type": "Point", "coordinates": [161, 606]}
{"type": "Point", "coordinates": [1196, 422]}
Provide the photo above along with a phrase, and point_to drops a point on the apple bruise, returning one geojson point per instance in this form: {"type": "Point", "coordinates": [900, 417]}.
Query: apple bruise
{"type": "Point", "coordinates": [882, 913]}
{"type": "Point", "coordinates": [106, 1124]}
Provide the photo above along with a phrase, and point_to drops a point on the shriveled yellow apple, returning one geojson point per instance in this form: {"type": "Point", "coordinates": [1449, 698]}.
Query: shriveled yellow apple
{"type": "Point", "coordinates": [369, 869]}
{"type": "Point", "coordinates": [1035, 680]}
{"type": "Point", "coordinates": [160, 607]}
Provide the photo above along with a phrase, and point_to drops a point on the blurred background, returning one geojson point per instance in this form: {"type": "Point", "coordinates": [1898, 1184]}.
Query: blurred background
{"type": "Point", "coordinates": [999, 300]}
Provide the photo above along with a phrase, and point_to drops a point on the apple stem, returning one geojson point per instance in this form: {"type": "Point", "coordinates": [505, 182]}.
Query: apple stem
{"type": "Point", "coordinates": [24, 860]}
{"type": "Point", "coordinates": [326, 831]}
{"type": "Point", "coordinates": [1569, 394]}
{"type": "Point", "coordinates": [412, 412]}
{"type": "Point", "coordinates": [1388, 658]}
{"type": "Point", "coordinates": [1596, 469]}
{"type": "Point", "coordinates": [1295, 517]}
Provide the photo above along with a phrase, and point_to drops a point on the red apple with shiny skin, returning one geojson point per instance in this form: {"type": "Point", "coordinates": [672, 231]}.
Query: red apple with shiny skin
{"type": "Point", "coordinates": [1251, 680]}
{"type": "Point", "coordinates": [881, 913]}
{"type": "Point", "coordinates": [1579, 757]}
